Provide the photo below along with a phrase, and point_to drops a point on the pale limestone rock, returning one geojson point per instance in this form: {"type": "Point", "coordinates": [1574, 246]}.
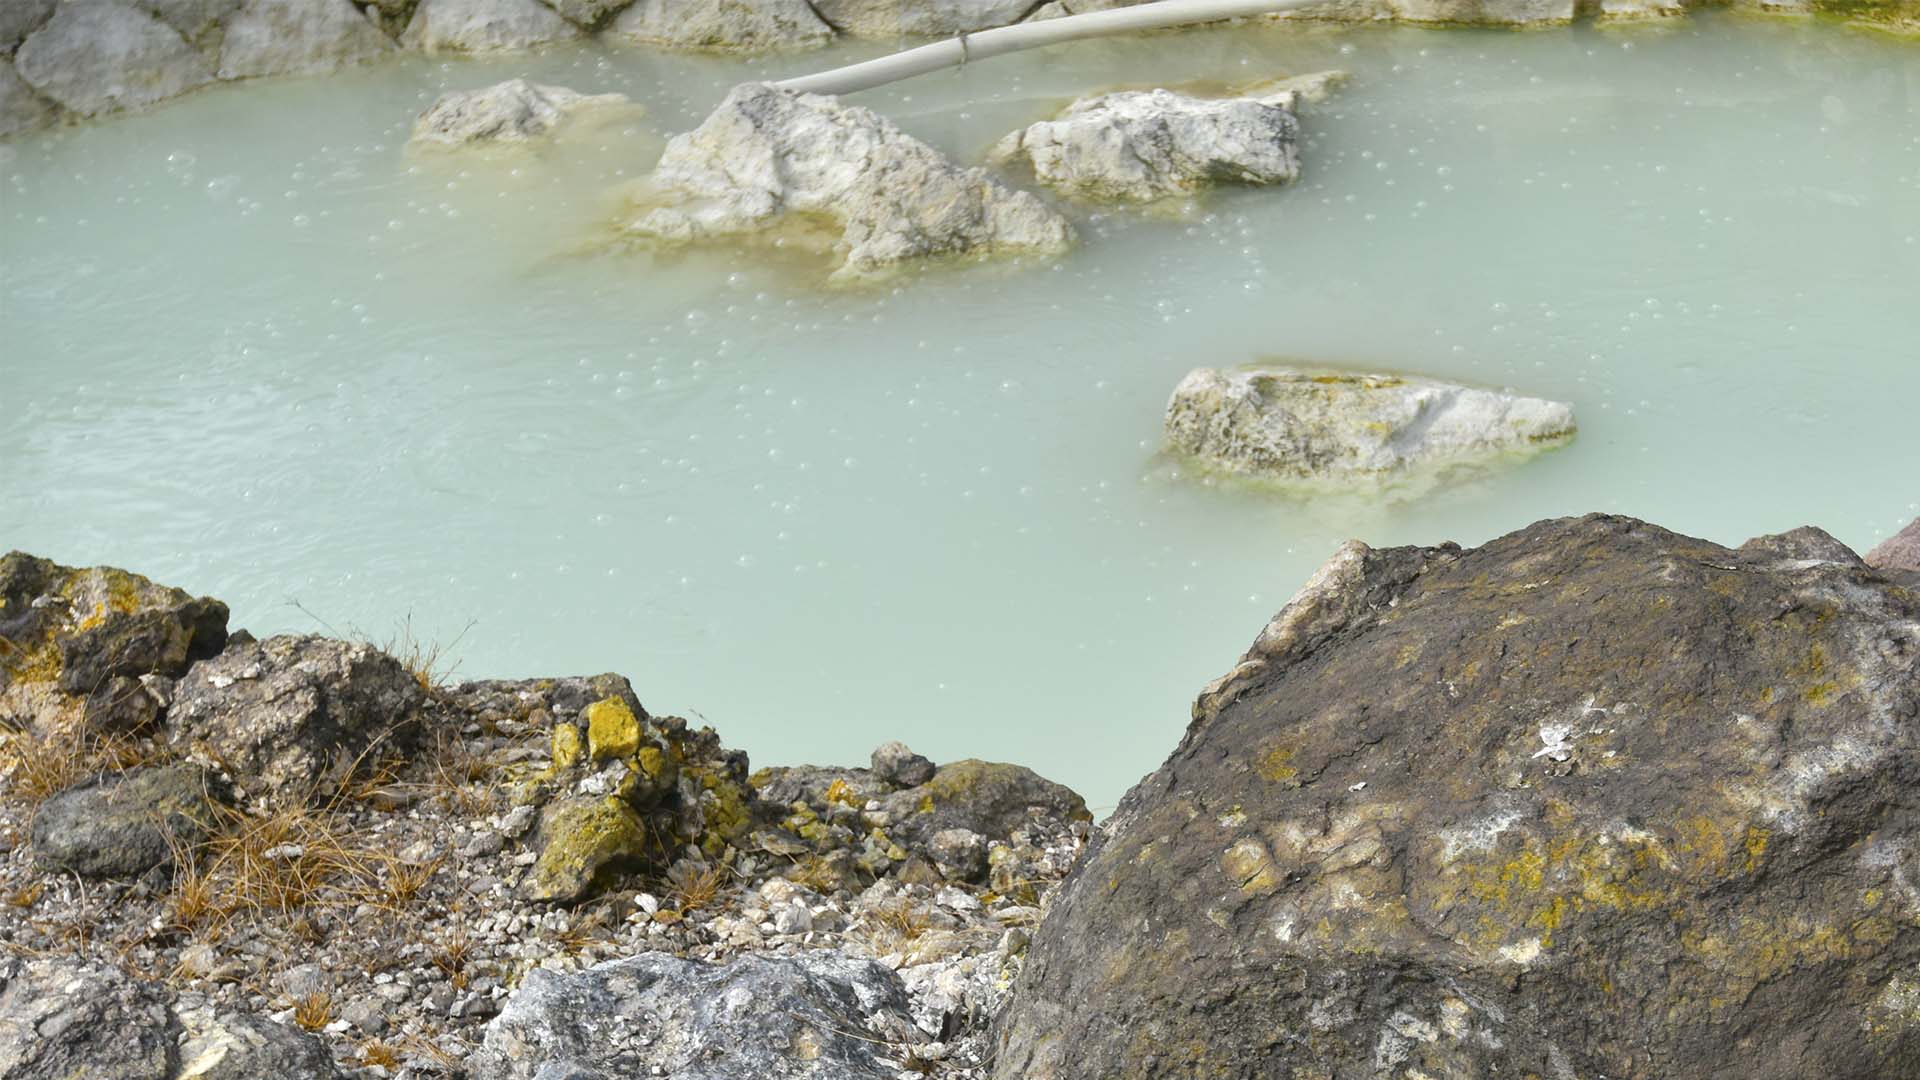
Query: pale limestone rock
{"type": "Point", "coordinates": [1146, 145]}
{"type": "Point", "coordinates": [1299, 424]}
{"type": "Point", "coordinates": [193, 18]}
{"type": "Point", "coordinates": [510, 112]}
{"type": "Point", "coordinates": [97, 56]}
{"type": "Point", "coordinates": [723, 25]}
{"type": "Point", "coordinates": [811, 168]}
{"type": "Point", "coordinates": [484, 26]}
{"type": "Point", "coordinates": [18, 18]}
{"type": "Point", "coordinates": [21, 110]}
{"type": "Point", "coordinates": [927, 18]}
{"type": "Point", "coordinates": [295, 37]}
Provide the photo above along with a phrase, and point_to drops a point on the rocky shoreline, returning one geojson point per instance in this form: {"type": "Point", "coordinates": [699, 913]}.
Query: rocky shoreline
{"type": "Point", "coordinates": [68, 60]}
{"type": "Point", "coordinates": [1613, 801]}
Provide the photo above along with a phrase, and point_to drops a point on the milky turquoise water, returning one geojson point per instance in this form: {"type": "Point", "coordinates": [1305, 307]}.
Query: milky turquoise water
{"type": "Point", "coordinates": [253, 347]}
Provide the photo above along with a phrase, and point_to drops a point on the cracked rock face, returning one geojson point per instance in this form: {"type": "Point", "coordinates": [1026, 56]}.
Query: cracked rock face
{"type": "Point", "coordinates": [1594, 799]}
{"type": "Point", "coordinates": [802, 167]}
{"type": "Point", "coordinates": [297, 37]}
{"type": "Point", "coordinates": [723, 25]}
{"type": "Point", "coordinates": [1295, 424]}
{"type": "Point", "coordinates": [62, 1018]}
{"type": "Point", "coordinates": [810, 1015]}
{"type": "Point", "coordinates": [1142, 146]}
{"type": "Point", "coordinates": [96, 56]}
{"type": "Point", "coordinates": [478, 26]}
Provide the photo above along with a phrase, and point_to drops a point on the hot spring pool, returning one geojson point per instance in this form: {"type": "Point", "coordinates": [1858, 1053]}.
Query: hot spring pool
{"type": "Point", "coordinates": [255, 348]}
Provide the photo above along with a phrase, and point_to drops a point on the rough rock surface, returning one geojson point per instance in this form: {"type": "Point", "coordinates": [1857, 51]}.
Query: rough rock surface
{"type": "Point", "coordinates": [286, 715]}
{"type": "Point", "coordinates": [1593, 799]}
{"type": "Point", "coordinates": [808, 167]}
{"type": "Point", "coordinates": [21, 110]}
{"type": "Point", "coordinates": [1287, 423]}
{"type": "Point", "coordinates": [18, 18]}
{"type": "Point", "coordinates": [96, 56]}
{"type": "Point", "coordinates": [1901, 551]}
{"type": "Point", "coordinates": [69, 636]}
{"type": "Point", "coordinates": [294, 37]}
{"type": "Point", "coordinates": [930, 18]}
{"type": "Point", "coordinates": [895, 764]}
{"type": "Point", "coordinates": [239, 1046]}
{"type": "Point", "coordinates": [771, 1018]}
{"type": "Point", "coordinates": [512, 111]}
{"type": "Point", "coordinates": [484, 26]}
{"type": "Point", "coordinates": [1146, 145]}
{"type": "Point", "coordinates": [126, 824]}
{"type": "Point", "coordinates": [723, 25]}
{"type": "Point", "coordinates": [61, 1019]}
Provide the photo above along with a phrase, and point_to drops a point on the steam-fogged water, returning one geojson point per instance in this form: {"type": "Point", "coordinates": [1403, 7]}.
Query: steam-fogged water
{"type": "Point", "coordinates": [255, 348]}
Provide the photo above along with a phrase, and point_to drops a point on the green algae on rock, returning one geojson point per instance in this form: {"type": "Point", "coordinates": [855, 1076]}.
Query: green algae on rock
{"type": "Point", "coordinates": [1591, 799]}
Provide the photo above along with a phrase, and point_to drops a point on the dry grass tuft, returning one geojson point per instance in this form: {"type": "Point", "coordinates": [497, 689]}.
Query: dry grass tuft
{"type": "Point", "coordinates": [406, 880]}
{"type": "Point", "coordinates": [696, 889]}
{"type": "Point", "coordinates": [314, 1011]}
{"type": "Point", "coordinates": [377, 1054]}
{"type": "Point", "coordinates": [428, 662]}
{"type": "Point", "coordinates": [901, 920]}
{"type": "Point", "coordinates": [453, 956]}
{"type": "Point", "coordinates": [38, 767]}
{"type": "Point", "coordinates": [816, 873]}
{"type": "Point", "coordinates": [27, 895]}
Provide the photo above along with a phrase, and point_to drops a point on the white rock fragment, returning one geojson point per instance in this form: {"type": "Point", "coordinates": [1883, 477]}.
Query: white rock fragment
{"type": "Point", "coordinates": [515, 111]}
{"type": "Point", "coordinates": [1285, 423]}
{"type": "Point", "coordinates": [1140, 146]}
{"type": "Point", "coordinates": [805, 168]}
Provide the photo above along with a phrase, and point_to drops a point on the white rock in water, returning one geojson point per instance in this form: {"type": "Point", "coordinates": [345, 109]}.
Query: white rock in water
{"type": "Point", "coordinates": [926, 18]}
{"type": "Point", "coordinates": [512, 111]}
{"type": "Point", "coordinates": [723, 25]}
{"type": "Point", "coordinates": [773, 161]}
{"type": "Point", "coordinates": [484, 26]}
{"type": "Point", "coordinates": [96, 56]}
{"type": "Point", "coordinates": [297, 37]}
{"type": "Point", "coordinates": [1302, 424]}
{"type": "Point", "coordinates": [1146, 145]}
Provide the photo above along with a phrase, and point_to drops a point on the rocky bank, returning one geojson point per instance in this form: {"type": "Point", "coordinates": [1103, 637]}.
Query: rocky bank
{"type": "Point", "coordinates": [1592, 799]}
{"type": "Point", "coordinates": [71, 59]}
{"type": "Point", "coordinates": [235, 858]}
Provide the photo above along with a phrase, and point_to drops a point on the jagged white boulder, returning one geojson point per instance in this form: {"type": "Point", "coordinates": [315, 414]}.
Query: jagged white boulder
{"type": "Point", "coordinates": [484, 26]}
{"type": "Point", "coordinates": [512, 111]}
{"type": "Point", "coordinates": [1290, 423]}
{"type": "Point", "coordinates": [96, 56]}
{"type": "Point", "coordinates": [1139, 146]}
{"type": "Point", "coordinates": [723, 25]}
{"type": "Point", "coordinates": [297, 37]}
{"type": "Point", "coordinates": [925, 18]}
{"type": "Point", "coordinates": [814, 169]}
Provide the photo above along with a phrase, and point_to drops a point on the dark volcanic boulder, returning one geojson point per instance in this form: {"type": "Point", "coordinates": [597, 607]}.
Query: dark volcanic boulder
{"type": "Point", "coordinates": [288, 714]}
{"type": "Point", "coordinates": [126, 824]}
{"type": "Point", "coordinates": [1593, 800]}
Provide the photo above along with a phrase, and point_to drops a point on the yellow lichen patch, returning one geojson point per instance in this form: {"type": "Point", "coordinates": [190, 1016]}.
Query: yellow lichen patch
{"type": "Point", "coordinates": [1249, 866]}
{"type": "Point", "coordinates": [1756, 846]}
{"type": "Point", "coordinates": [613, 731]}
{"type": "Point", "coordinates": [1276, 765]}
{"type": "Point", "coordinates": [567, 746]}
{"type": "Point", "coordinates": [584, 842]}
{"type": "Point", "coordinates": [842, 792]}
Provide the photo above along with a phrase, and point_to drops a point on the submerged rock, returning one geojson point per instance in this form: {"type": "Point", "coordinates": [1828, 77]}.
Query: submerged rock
{"type": "Point", "coordinates": [290, 714]}
{"type": "Point", "coordinates": [96, 56]}
{"type": "Point", "coordinates": [1147, 145]}
{"type": "Point", "coordinates": [484, 26]}
{"type": "Point", "coordinates": [295, 37]}
{"type": "Point", "coordinates": [838, 177]}
{"type": "Point", "coordinates": [126, 824]}
{"type": "Point", "coordinates": [1288, 423]}
{"type": "Point", "coordinates": [723, 25]}
{"type": "Point", "coordinates": [1593, 799]}
{"type": "Point", "coordinates": [1901, 551]}
{"type": "Point", "coordinates": [810, 1015]}
{"type": "Point", "coordinates": [512, 111]}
